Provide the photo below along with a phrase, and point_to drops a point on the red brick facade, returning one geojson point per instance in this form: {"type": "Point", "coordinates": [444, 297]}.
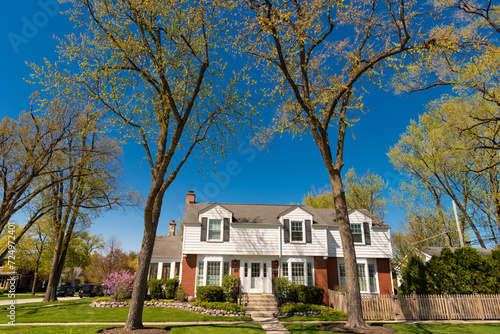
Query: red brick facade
{"type": "Point", "coordinates": [333, 276]}
{"type": "Point", "coordinates": [275, 269]}
{"type": "Point", "coordinates": [384, 276]}
{"type": "Point", "coordinates": [321, 276]}
{"type": "Point", "coordinates": [188, 278]}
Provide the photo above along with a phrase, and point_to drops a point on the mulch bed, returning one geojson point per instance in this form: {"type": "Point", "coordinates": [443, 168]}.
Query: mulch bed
{"type": "Point", "coordinates": [340, 328]}
{"type": "Point", "coordinates": [145, 330]}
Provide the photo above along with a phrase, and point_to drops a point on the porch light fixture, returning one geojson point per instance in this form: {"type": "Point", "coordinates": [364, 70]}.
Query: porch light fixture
{"type": "Point", "coordinates": [235, 261]}
{"type": "Point", "coordinates": [325, 257]}
{"type": "Point", "coordinates": [276, 261]}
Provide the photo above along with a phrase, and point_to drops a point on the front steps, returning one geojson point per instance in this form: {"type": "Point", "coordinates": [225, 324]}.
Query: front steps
{"type": "Point", "coordinates": [261, 305]}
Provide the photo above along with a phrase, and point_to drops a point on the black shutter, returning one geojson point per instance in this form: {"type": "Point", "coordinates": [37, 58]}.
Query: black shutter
{"type": "Point", "coordinates": [203, 236]}
{"type": "Point", "coordinates": [366, 228]}
{"type": "Point", "coordinates": [286, 231]}
{"type": "Point", "coordinates": [308, 231]}
{"type": "Point", "coordinates": [226, 229]}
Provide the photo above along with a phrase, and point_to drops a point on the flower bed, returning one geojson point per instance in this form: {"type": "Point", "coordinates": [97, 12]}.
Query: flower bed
{"type": "Point", "coordinates": [185, 306]}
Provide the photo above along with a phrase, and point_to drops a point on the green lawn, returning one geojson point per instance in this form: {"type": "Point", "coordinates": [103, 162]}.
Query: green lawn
{"type": "Point", "coordinates": [314, 318]}
{"type": "Point", "coordinates": [26, 295]}
{"type": "Point", "coordinates": [80, 311]}
{"type": "Point", "coordinates": [176, 329]}
{"type": "Point", "coordinates": [422, 328]}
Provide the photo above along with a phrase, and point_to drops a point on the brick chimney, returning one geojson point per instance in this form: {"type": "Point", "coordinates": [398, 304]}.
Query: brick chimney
{"type": "Point", "coordinates": [190, 198]}
{"type": "Point", "coordinates": [171, 229]}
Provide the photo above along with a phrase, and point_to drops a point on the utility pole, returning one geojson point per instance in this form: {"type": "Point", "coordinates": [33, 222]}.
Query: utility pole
{"type": "Point", "coordinates": [458, 224]}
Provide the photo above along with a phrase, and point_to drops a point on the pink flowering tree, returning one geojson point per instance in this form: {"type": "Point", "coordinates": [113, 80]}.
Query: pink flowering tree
{"type": "Point", "coordinates": [120, 283]}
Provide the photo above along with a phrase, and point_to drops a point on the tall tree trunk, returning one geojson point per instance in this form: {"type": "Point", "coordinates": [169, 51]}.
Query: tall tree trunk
{"type": "Point", "coordinates": [50, 294]}
{"type": "Point", "coordinates": [151, 217]}
{"type": "Point", "coordinates": [354, 306]}
{"type": "Point", "coordinates": [35, 281]}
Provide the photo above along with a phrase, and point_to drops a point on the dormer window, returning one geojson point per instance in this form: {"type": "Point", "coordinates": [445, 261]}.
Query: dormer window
{"type": "Point", "coordinates": [297, 231]}
{"type": "Point", "coordinates": [215, 230]}
{"type": "Point", "coordinates": [357, 233]}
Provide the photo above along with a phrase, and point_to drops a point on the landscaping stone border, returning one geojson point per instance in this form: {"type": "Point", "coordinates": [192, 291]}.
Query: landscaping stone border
{"type": "Point", "coordinates": [297, 314]}
{"type": "Point", "coordinates": [185, 306]}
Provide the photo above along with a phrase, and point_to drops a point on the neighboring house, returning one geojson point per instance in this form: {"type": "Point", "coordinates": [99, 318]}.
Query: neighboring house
{"type": "Point", "coordinates": [167, 255]}
{"type": "Point", "coordinates": [262, 242]}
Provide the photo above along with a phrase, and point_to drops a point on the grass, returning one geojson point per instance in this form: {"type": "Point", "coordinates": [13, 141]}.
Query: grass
{"type": "Point", "coordinates": [314, 318]}
{"type": "Point", "coordinates": [80, 311]}
{"type": "Point", "coordinates": [420, 328]}
{"type": "Point", "coordinates": [26, 295]}
{"type": "Point", "coordinates": [176, 329]}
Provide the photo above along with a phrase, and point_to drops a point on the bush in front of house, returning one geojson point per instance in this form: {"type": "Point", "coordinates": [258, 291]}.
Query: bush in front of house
{"type": "Point", "coordinates": [171, 286]}
{"type": "Point", "coordinates": [155, 288]}
{"type": "Point", "coordinates": [219, 306]}
{"type": "Point", "coordinates": [230, 286]}
{"type": "Point", "coordinates": [120, 283]}
{"type": "Point", "coordinates": [331, 312]}
{"type": "Point", "coordinates": [310, 294]}
{"type": "Point", "coordinates": [210, 293]}
{"type": "Point", "coordinates": [300, 307]}
{"type": "Point", "coordinates": [287, 291]}
{"type": "Point", "coordinates": [181, 294]}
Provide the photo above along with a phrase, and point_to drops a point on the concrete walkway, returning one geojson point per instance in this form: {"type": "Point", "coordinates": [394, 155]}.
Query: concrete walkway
{"type": "Point", "coordinates": [271, 325]}
{"type": "Point", "coordinates": [33, 300]}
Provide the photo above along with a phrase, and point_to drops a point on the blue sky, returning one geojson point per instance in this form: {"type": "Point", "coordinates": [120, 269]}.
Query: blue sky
{"type": "Point", "coordinates": [281, 174]}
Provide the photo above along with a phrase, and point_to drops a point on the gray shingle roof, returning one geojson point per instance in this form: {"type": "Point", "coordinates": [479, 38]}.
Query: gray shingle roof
{"type": "Point", "coordinates": [436, 251]}
{"type": "Point", "coordinates": [269, 213]}
{"type": "Point", "coordinates": [168, 246]}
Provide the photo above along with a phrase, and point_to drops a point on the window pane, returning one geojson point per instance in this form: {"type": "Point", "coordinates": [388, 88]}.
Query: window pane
{"type": "Point", "coordinates": [298, 273]}
{"type": "Point", "coordinates": [284, 269]}
{"type": "Point", "coordinates": [362, 278]}
{"type": "Point", "coordinates": [372, 279]}
{"type": "Point", "coordinates": [342, 275]}
{"type": "Point", "coordinates": [166, 271]}
{"type": "Point", "coordinates": [213, 273]}
{"type": "Point", "coordinates": [177, 269]}
{"type": "Point", "coordinates": [226, 268]}
{"type": "Point", "coordinates": [296, 230]}
{"type": "Point", "coordinates": [214, 229]}
{"type": "Point", "coordinates": [264, 269]}
{"type": "Point", "coordinates": [356, 233]}
{"type": "Point", "coordinates": [200, 274]}
{"type": "Point", "coordinates": [153, 270]}
{"type": "Point", "coordinates": [309, 274]}
{"type": "Point", "coordinates": [246, 269]}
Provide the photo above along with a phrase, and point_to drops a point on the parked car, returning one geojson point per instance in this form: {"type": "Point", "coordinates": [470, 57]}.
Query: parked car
{"type": "Point", "coordinates": [90, 290]}
{"type": "Point", "coordinates": [65, 290]}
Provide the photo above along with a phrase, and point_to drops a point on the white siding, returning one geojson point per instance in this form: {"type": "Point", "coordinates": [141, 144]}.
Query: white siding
{"type": "Point", "coordinates": [380, 240]}
{"type": "Point", "coordinates": [243, 240]}
{"type": "Point", "coordinates": [318, 246]}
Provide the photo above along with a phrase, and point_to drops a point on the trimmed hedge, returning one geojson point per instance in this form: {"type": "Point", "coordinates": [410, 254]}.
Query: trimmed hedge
{"type": "Point", "coordinates": [219, 306]}
{"type": "Point", "coordinates": [302, 308]}
{"type": "Point", "coordinates": [155, 288]}
{"type": "Point", "coordinates": [171, 286]}
{"type": "Point", "coordinates": [310, 294]}
{"type": "Point", "coordinates": [210, 293]}
{"type": "Point", "coordinates": [230, 286]}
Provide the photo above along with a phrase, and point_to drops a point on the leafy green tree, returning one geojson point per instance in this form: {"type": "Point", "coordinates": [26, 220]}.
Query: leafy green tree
{"type": "Point", "coordinates": [157, 69]}
{"type": "Point", "coordinates": [361, 192]}
{"type": "Point", "coordinates": [414, 277]}
{"type": "Point", "coordinates": [316, 54]}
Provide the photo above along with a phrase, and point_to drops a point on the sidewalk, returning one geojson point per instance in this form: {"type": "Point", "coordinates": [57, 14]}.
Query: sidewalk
{"type": "Point", "coordinates": [33, 300]}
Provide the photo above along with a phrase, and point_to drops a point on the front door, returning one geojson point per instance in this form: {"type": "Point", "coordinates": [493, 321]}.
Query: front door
{"type": "Point", "coordinates": [255, 277]}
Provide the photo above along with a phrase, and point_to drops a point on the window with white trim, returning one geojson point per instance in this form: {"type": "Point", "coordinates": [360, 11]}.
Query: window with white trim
{"type": "Point", "coordinates": [310, 280]}
{"type": "Point", "coordinates": [214, 230]}
{"type": "Point", "coordinates": [298, 276]}
{"type": "Point", "coordinates": [201, 274]}
{"type": "Point", "coordinates": [357, 233]}
{"type": "Point", "coordinates": [367, 283]}
{"type": "Point", "coordinates": [226, 268]}
{"type": "Point", "coordinates": [284, 269]}
{"type": "Point", "coordinates": [297, 231]}
{"type": "Point", "coordinates": [213, 273]}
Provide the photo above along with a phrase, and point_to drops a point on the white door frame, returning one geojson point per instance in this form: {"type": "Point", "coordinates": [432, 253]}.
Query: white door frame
{"type": "Point", "coordinates": [265, 275]}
